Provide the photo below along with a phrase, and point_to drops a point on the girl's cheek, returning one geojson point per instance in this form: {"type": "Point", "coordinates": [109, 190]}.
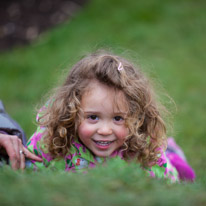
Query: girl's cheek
{"type": "Point", "coordinates": [85, 130]}
{"type": "Point", "coordinates": [122, 133]}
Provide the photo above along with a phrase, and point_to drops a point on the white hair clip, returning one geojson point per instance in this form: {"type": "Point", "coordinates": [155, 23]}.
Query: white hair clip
{"type": "Point", "coordinates": [120, 67]}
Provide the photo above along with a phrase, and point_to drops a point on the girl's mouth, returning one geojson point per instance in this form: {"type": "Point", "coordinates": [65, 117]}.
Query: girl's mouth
{"type": "Point", "coordinates": [103, 143]}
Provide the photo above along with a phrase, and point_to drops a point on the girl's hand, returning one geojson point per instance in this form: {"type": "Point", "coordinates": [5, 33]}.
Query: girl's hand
{"type": "Point", "coordinates": [16, 151]}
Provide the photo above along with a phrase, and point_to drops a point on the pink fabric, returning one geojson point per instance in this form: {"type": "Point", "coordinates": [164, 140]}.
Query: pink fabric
{"type": "Point", "coordinates": [184, 170]}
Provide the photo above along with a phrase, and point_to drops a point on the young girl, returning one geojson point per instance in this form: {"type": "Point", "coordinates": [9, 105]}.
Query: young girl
{"type": "Point", "coordinates": [105, 109]}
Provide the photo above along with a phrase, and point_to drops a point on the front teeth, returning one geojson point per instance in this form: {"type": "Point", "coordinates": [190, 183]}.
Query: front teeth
{"type": "Point", "coordinates": [103, 143]}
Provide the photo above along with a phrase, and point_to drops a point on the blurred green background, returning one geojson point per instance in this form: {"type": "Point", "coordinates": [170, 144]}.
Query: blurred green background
{"type": "Point", "coordinates": [166, 38]}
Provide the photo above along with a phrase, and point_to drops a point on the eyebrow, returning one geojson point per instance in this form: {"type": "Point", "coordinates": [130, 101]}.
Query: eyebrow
{"type": "Point", "coordinates": [96, 112]}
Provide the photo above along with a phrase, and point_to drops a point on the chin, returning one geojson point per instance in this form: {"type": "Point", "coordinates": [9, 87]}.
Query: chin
{"type": "Point", "coordinates": [102, 154]}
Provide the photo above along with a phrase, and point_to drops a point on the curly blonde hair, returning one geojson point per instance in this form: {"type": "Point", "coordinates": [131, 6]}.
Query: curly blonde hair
{"type": "Point", "coordinates": [147, 131]}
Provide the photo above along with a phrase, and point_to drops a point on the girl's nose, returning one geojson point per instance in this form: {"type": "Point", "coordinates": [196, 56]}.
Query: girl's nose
{"type": "Point", "coordinates": [105, 129]}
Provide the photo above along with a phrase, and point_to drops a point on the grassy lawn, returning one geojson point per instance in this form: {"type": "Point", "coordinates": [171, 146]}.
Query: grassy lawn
{"type": "Point", "coordinates": [167, 39]}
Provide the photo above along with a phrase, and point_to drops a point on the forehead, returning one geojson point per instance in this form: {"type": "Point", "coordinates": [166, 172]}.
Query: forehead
{"type": "Point", "coordinates": [98, 95]}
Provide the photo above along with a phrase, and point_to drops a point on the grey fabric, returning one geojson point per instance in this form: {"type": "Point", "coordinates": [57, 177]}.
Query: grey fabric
{"type": "Point", "coordinates": [9, 126]}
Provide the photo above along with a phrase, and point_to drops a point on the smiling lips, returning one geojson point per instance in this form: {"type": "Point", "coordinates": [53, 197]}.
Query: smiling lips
{"type": "Point", "coordinates": [103, 144]}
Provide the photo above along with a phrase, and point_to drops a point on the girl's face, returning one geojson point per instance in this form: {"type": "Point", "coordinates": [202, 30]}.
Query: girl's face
{"type": "Point", "coordinates": [102, 129]}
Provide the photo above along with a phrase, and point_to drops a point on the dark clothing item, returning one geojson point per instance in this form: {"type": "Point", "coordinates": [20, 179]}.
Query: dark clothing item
{"type": "Point", "coordinates": [11, 127]}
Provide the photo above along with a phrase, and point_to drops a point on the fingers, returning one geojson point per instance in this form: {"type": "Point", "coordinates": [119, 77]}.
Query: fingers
{"type": "Point", "coordinates": [22, 159]}
{"type": "Point", "coordinates": [8, 142]}
{"type": "Point", "coordinates": [13, 146]}
{"type": "Point", "coordinates": [31, 156]}
{"type": "Point", "coordinates": [17, 144]}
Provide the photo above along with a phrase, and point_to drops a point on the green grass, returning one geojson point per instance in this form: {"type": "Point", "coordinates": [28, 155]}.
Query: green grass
{"type": "Point", "coordinates": [167, 38]}
{"type": "Point", "coordinates": [108, 185]}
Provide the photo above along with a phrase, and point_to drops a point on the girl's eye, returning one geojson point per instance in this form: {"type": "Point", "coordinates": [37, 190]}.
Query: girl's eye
{"type": "Point", "coordinates": [93, 117]}
{"type": "Point", "coordinates": [118, 118]}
